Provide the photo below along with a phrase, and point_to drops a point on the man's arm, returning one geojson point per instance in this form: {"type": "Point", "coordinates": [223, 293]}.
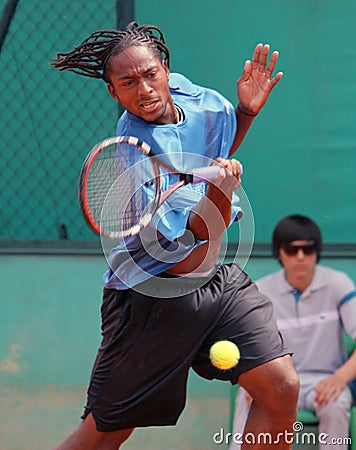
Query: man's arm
{"type": "Point", "coordinates": [253, 89]}
{"type": "Point", "coordinates": [331, 387]}
{"type": "Point", "coordinates": [212, 215]}
{"type": "Point", "coordinates": [209, 218]}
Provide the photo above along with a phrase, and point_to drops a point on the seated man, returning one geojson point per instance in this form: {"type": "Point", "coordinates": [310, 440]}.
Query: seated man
{"type": "Point", "coordinates": [313, 305]}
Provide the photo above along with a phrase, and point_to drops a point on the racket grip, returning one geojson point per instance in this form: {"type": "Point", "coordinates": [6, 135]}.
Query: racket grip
{"type": "Point", "coordinates": [208, 173]}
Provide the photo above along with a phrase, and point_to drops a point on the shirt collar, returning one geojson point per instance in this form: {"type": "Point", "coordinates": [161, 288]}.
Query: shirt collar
{"type": "Point", "coordinates": [317, 283]}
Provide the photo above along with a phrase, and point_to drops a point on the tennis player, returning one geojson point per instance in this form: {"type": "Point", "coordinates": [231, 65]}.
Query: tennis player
{"type": "Point", "coordinates": [150, 339]}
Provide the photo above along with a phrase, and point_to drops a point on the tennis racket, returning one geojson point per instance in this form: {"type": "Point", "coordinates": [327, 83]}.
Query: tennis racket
{"type": "Point", "coordinates": [120, 185]}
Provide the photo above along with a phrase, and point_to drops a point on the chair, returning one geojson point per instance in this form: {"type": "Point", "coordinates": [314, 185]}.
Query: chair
{"type": "Point", "coordinates": [307, 417]}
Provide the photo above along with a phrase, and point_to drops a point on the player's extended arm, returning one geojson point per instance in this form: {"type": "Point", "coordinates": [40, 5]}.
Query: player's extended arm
{"type": "Point", "coordinates": [209, 219]}
{"type": "Point", "coordinates": [253, 89]}
{"type": "Point", "coordinates": [212, 215]}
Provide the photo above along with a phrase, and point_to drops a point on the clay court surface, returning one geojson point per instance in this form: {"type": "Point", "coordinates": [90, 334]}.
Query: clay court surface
{"type": "Point", "coordinates": [37, 419]}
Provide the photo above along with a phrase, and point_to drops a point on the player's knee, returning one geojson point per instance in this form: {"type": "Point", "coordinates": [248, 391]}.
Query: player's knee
{"type": "Point", "coordinates": [287, 391]}
{"type": "Point", "coordinates": [284, 391]}
{"type": "Point", "coordinates": [274, 386]}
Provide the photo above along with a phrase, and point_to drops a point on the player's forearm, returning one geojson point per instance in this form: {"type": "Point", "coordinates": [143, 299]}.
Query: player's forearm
{"type": "Point", "coordinates": [244, 122]}
{"type": "Point", "coordinates": [212, 215]}
{"type": "Point", "coordinates": [201, 259]}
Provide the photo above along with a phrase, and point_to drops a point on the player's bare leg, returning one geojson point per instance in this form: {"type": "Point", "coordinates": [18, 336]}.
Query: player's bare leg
{"type": "Point", "coordinates": [274, 387]}
{"type": "Point", "coordinates": [87, 437]}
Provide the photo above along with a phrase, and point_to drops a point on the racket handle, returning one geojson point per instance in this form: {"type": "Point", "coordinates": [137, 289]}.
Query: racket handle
{"type": "Point", "coordinates": [207, 173]}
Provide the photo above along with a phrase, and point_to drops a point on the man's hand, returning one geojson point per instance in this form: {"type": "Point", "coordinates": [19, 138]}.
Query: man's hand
{"type": "Point", "coordinates": [328, 389]}
{"type": "Point", "coordinates": [228, 179]}
{"type": "Point", "coordinates": [255, 83]}
{"type": "Point", "coordinates": [212, 215]}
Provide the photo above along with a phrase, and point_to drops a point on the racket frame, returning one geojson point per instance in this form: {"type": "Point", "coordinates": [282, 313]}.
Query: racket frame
{"type": "Point", "coordinates": [85, 171]}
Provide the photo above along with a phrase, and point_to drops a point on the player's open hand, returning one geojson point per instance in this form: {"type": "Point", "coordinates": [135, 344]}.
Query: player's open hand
{"type": "Point", "coordinates": [256, 82]}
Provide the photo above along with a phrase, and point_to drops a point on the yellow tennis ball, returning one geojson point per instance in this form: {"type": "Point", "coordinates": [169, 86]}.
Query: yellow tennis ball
{"type": "Point", "coordinates": [224, 355]}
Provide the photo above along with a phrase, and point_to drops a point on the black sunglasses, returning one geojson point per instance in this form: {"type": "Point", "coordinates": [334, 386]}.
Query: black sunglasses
{"type": "Point", "coordinates": [292, 250]}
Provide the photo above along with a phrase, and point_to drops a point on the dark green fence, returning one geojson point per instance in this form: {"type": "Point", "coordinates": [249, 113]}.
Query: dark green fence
{"type": "Point", "coordinates": [49, 120]}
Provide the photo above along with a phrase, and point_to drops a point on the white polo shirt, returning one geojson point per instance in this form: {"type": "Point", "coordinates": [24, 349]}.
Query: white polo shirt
{"type": "Point", "coordinates": [312, 322]}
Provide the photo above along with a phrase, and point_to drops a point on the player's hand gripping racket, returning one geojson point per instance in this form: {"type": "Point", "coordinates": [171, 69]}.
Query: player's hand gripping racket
{"type": "Point", "coordinates": [120, 186]}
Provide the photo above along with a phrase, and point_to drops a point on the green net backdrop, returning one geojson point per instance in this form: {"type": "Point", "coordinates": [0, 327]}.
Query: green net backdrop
{"type": "Point", "coordinates": [49, 119]}
{"type": "Point", "coordinates": [298, 157]}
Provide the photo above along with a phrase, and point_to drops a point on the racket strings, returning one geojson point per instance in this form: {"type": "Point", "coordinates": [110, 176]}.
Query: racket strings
{"type": "Point", "coordinates": [121, 186]}
{"type": "Point", "coordinates": [98, 186]}
{"type": "Point", "coordinates": [122, 189]}
{"type": "Point", "coordinates": [126, 203]}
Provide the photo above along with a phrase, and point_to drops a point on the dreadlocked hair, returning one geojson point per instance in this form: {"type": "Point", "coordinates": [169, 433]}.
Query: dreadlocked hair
{"type": "Point", "coordinates": [92, 56]}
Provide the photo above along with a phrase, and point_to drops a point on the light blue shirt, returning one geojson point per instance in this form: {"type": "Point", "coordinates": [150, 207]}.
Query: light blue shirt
{"type": "Point", "coordinates": [207, 132]}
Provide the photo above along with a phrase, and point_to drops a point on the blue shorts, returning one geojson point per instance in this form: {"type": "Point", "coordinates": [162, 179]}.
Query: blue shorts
{"type": "Point", "coordinates": [149, 344]}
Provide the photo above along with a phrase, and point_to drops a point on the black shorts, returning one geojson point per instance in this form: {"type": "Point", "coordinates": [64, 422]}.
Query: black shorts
{"type": "Point", "coordinates": [140, 374]}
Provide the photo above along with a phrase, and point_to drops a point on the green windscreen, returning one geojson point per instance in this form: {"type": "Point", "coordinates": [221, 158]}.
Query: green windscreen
{"type": "Point", "coordinates": [299, 155]}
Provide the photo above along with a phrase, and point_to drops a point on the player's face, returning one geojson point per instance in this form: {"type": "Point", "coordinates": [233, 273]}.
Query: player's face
{"type": "Point", "coordinates": [298, 263]}
{"type": "Point", "coordinates": [139, 81]}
